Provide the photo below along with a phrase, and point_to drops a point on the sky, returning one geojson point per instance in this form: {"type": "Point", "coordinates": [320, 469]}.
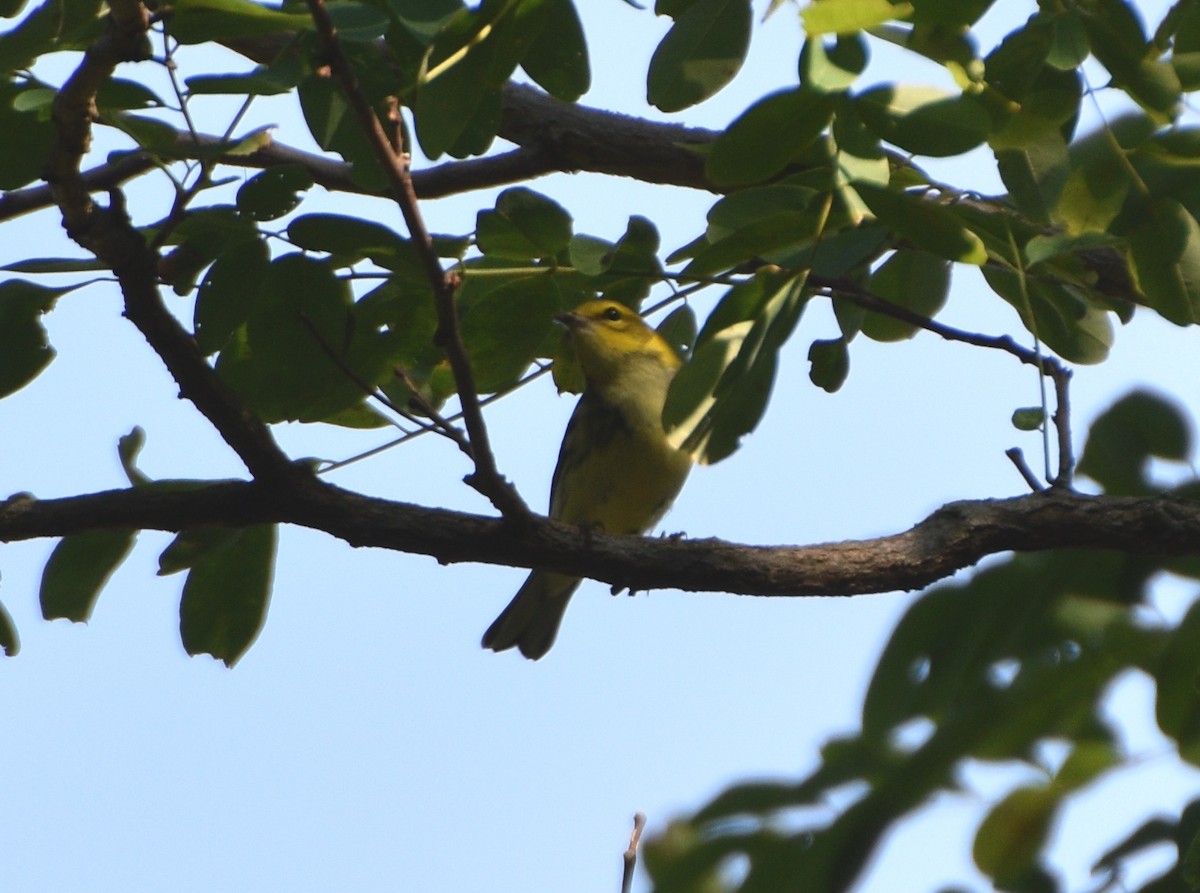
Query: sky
{"type": "Point", "coordinates": [366, 742]}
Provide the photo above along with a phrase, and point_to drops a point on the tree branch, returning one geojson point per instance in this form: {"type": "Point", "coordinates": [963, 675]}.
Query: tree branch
{"type": "Point", "coordinates": [394, 163]}
{"type": "Point", "coordinates": [954, 537]}
{"type": "Point", "coordinates": [109, 234]}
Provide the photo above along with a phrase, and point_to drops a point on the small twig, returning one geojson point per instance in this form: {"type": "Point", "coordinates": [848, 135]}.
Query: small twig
{"type": "Point", "coordinates": [486, 478]}
{"type": "Point", "coordinates": [440, 424]}
{"type": "Point", "coordinates": [639, 822]}
{"type": "Point", "coordinates": [1046, 365]}
{"type": "Point", "coordinates": [425, 429]}
{"type": "Point", "coordinates": [1018, 459]}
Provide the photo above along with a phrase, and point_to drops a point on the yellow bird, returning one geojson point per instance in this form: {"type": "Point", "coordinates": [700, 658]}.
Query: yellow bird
{"type": "Point", "coordinates": [616, 471]}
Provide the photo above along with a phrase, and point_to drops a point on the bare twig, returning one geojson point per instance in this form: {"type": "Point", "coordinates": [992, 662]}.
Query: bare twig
{"type": "Point", "coordinates": [1047, 366]}
{"type": "Point", "coordinates": [1018, 459]}
{"type": "Point", "coordinates": [630, 859]}
{"type": "Point", "coordinates": [486, 478]}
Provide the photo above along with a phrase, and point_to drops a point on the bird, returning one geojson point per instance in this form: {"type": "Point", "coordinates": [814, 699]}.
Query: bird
{"type": "Point", "coordinates": [616, 471]}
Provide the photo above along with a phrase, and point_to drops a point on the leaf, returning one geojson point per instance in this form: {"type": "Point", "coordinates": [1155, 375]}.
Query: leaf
{"type": "Point", "coordinates": [1164, 251]}
{"type": "Point", "coordinates": [281, 76]}
{"type": "Point", "coordinates": [503, 330]}
{"type": "Point", "coordinates": [925, 120]}
{"type": "Point", "coordinates": [1117, 40]}
{"type": "Point", "coordinates": [1177, 706]}
{"type": "Point", "coordinates": [557, 59]}
{"type": "Point", "coordinates": [1058, 312]}
{"type": "Point", "coordinates": [9, 640]}
{"type": "Point", "coordinates": [201, 21]}
{"type": "Point", "coordinates": [913, 280]}
{"type": "Point", "coordinates": [1137, 427]}
{"type": "Point", "coordinates": [720, 395]}
{"type": "Point", "coordinates": [1012, 835]}
{"type": "Point", "coordinates": [272, 193]}
{"type": "Point", "coordinates": [335, 129]}
{"type": "Point", "coordinates": [523, 226]}
{"type": "Point", "coordinates": [52, 27]}
{"type": "Point", "coordinates": [847, 16]}
{"type": "Point", "coordinates": [928, 225]}
{"type": "Point", "coordinates": [77, 570]}
{"type": "Point", "coordinates": [24, 346]}
{"type": "Point", "coordinates": [1035, 175]}
{"type": "Point", "coordinates": [28, 138]}
{"type": "Point", "coordinates": [191, 546]}
{"type": "Point", "coordinates": [1029, 418]}
{"type": "Point", "coordinates": [228, 293]}
{"type": "Point", "coordinates": [833, 69]}
{"type": "Point", "coordinates": [301, 356]}
{"type": "Point", "coordinates": [225, 597]}
{"type": "Point", "coordinates": [458, 98]}
{"type": "Point", "coordinates": [701, 53]}
{"type": "Point", "coordinates": [829, 364]}
{"type": "Point", "coordinates": [765, 137]}
{"type": "Point", "coordinates": [353, 239]}
{"type": "Point", "coordinates": [423, 19]}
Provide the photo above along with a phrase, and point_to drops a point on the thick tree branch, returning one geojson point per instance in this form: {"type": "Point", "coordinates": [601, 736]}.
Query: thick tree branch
{"type": "Point", "coordinates": [954, 537]}
{"type": "Point", "coordinates": [109, 234]}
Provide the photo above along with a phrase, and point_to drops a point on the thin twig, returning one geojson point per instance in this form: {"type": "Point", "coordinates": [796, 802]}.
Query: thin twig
{"type": "Point", "coordinates": [1046, 365]}
{"type": "Point", "coordinates": [426, 429]}
{"type": "Point", "coordinates": [486, 478]}
{"type": "Point", "coordinates": [639, 822]}
{"type": "Point", "coordinates": [1018, 459]}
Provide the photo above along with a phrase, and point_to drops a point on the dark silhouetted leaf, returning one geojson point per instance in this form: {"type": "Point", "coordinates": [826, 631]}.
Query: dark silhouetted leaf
{"type": "Point", "coordinates": [77, 570]}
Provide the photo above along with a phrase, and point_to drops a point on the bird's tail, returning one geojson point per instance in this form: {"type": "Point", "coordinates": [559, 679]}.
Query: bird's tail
{"type": "Point", "coordinates": [531, 620]}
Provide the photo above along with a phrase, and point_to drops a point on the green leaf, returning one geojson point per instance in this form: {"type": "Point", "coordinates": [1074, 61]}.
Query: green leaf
{"type": "Point", "coordinates": [925, 120]}
{"type": "Point", "coordinates": [9, 640]}
{"type": "Point", "coordinates": [847, 16]}
{"type": "Point", "coordinates": [281, 76]}
{"type": "Point", "coordinates": [228, 293]}
{"type": "Point", "coordinates": [335, 129]}
{"type": "Point", "coordinates": [24, 347]}
{"type": "Point", "coordinates": [1177, 707]}
{"type": "Point", "coordinates": [272, 193]}
{"type": "Point", "coordinates": [1029, 418]}
{"type": "Point", "coordinates": [720, 395]}
{"type": "Point", "coordinates": [928, 225]}
{"type": "Point", "coordinates": [1164, 251]}
{"type": "Point", "coordinates": [914, 280]}
{"type": "Point", "coordinates": [226, 595]}
{"type": "Point", "coordinates": [1115, 34]}
{"type": "Point", "coordinates": [679, 329]}
{"type": "Point", "coordinates": [1012, 835]}
{"type": "Point", "coordinates": [201, 21]}
{"type": "Point", "coordinates": [1137, 427]}
{"type": "Point", "coordinates": [423, 19]}
{"type": "Point", "coordinates": [301, 356]}
{"type": "Point", "coordinates": [833, 69]}
{"type": "Point", "coordinates": [458, 100]}
{"type": "Point", "coordinates": [523, 226]}
{"type": "Point", "coordinates": [77, 570]}
{"type": "Point", "coordinates": [1036, 174]}
{"type": "Point", "coordinates": [1057, 312]}
{"type": "Point", "coordinates": [766, 137]}
{"type": "Point", "coordinates": [503, 330]}
{"type": "Point", "coordinates": [191, 546]}
{"type": "Point", "coordinates": [28, 137]}
{"type": "Point", "coordinates": [53, 27]}
{"type": "Point", "coordinates": [352, 239]}
{"type": "Point", "coordinates": [829, 364]}
{"type": "Point", "coordinates": [701, 53]}
{"type": "Point", "coordinates": [557, 59]}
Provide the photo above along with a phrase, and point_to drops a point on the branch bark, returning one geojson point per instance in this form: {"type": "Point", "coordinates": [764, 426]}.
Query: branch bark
{"type": "Point", "coordinates": [954, 537]}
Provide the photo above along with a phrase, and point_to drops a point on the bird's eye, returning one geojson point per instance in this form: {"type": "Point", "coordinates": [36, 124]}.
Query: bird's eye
{"type": "Point", "coordinates": [612, 313]}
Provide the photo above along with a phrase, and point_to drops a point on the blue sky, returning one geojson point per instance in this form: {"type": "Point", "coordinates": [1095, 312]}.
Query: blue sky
{"type": "Point", "coordinates": [366, 742]}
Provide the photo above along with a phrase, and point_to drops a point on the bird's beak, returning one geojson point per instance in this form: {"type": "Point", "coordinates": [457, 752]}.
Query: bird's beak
{"type": "Point", "coordinates": [570, 320]}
